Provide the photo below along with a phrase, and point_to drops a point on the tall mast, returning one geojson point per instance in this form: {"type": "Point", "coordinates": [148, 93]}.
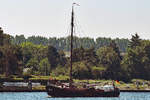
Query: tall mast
{"type": "Point", "coordinates": [72, 30]}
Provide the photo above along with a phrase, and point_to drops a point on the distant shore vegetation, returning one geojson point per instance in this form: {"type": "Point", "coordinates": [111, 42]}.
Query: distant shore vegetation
{"type": "Point", "coordinates": [103, 58]}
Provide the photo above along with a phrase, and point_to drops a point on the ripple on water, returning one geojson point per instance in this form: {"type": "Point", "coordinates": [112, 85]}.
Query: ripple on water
{"type": "Point", "coordinates": [44, 96]}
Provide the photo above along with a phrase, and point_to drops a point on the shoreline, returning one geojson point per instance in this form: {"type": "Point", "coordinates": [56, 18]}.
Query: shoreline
{"type": "Point", "coordinates": [134, 90]}
{"type": "Point", "coordinates": [45, 90]}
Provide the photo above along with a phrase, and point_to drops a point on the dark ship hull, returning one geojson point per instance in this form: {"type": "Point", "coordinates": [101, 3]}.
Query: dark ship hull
{"type": "Point", "coordinates": [55, 91]}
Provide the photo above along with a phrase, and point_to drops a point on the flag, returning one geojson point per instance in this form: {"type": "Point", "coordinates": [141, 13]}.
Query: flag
{"type": "Point", "coordinates": [50, 78]}
{"type": "Point", "coordinates": [76, 4]}
{"type": "Point", "coordinates": [117, 82]}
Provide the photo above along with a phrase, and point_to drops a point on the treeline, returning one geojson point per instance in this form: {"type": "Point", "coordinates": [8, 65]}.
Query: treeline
{"type": "Point", "coordinates": [89, 62]}
{"type": "Point", "coordinates": [64, 43]}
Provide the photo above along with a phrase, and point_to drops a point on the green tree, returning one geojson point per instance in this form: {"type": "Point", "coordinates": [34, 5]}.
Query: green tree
{"type": "Point", "coordinates": [31, 50]}
{"type": "Point", "coordinates": [78, 54]}
{"type": "Point", "coordinates": [44, 67]}
{"type": "Point", "coordinates": [81, 71]}
{"type": "Point", "coordinates": [19, 39]}
{"type": "Point", "coordinates": [59, 70]}
{"type": "Point", "coordinates": [12, 59]}
{"type": "Point", "coordinates": [11, 56]}
{"type": "Point", "coordinates": [53, 56]}
{"type": "Point", "coordinates": [135, 41]}
{"type": "Point", "coordinates": [27, 49]}
{"type": "Point", "coordinates": [1, 36]}
{"type": "Point", "coordinates": [87, 55]}
{"type": "Point", "coordinates": [115, 48]}
{"type": "Point", "coordinates": [109, 59]}
{"type": "Point", "coordinates": [98, 72]}
{"type": "Point", "coordinates": [62, 58]}
{"type": "Point", "coordinates": [136, 61]}
{"type": "Point", "coordinates": [33, 64]}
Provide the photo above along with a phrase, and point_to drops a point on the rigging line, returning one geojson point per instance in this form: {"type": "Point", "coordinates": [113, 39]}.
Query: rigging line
{"type": "Point", "coordinates": [81, 31]}
{"type": "Point", "coordinates": [75, 39]}
{"type": "Point", "coordinates": [78, 35]}
{"type": "Point", "coordinates": [75, 36]}
{"type": "Point", "coordinates": [78, 26]}
{"type": "Point", "coordinates": [75, 27]}
{"type": "Point", "coordinates": [68, 37]}
{"type": "Point", "coordinates": [78, 30]}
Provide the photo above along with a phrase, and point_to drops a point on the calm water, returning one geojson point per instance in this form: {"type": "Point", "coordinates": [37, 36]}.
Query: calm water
{"type": "Point", "coordinates": [44, 96]}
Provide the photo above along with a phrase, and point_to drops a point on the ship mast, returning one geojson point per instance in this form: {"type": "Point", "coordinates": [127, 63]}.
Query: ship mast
{"type": "Point", "coordinates": [72, 30]}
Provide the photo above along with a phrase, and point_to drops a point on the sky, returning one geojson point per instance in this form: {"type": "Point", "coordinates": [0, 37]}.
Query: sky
{"type": "Point", "coordinates": [94, 18]}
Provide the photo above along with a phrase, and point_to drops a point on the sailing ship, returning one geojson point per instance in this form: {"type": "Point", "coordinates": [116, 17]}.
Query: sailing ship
{"type": "Point", "coordinates": [62, 90]}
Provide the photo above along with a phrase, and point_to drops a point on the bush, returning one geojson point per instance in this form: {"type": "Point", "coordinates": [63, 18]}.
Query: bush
{"type": "Point", "coordinates": [81, 71]}
{"type": "Point", "coordinates": [60, 71]}
{"type": "Point", "coordinates": [97, 72]}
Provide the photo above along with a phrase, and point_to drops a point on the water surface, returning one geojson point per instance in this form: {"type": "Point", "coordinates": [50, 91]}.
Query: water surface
{"type": "Point", "coordinates": [44, 96]}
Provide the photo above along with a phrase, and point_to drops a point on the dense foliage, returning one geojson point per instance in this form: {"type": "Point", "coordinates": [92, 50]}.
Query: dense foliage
{"type": "Point", "coordinates": [103, 58]}
{"type": "Point", "coordinates": [10, 56]}
{"type": "Point", "coordinates": [64, 43]}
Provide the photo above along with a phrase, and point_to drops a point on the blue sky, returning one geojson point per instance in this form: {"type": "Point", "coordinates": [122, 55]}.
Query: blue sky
{"type": "Point", "coordinates": [94, 18]}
